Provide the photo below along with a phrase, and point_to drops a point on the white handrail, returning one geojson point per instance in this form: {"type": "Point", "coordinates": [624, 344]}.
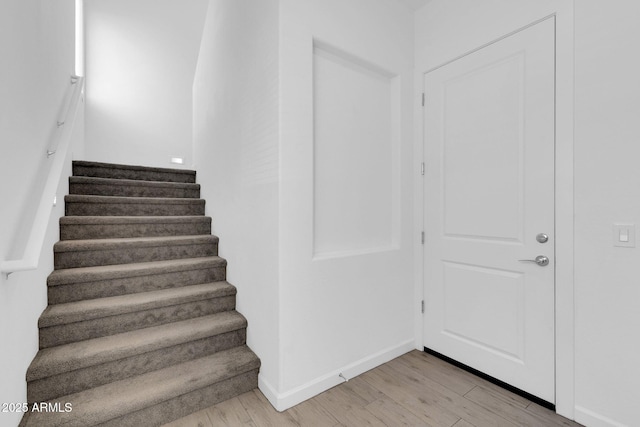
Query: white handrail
{"type": "Point", "coordinates": [68, 98]}
{"type": "Point", "coordinates": [60, 145]}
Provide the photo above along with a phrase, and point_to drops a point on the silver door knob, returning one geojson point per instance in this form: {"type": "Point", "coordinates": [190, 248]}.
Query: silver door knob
{"type": "Point", "coordinates": [541, 260]}
{"type": "Point", "coordinates": [542, 238]}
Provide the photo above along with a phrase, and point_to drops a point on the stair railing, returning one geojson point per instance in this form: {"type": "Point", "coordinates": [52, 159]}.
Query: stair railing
{"type": "Point", "coordinates": [58, 149]}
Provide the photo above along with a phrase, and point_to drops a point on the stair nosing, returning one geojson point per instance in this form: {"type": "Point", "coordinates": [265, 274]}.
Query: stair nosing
{"type": "Point", "coordinates": [96, 351]}
{"type": "Point", "coordinates": [111, 401]}
{"type": "Point", "coordinates": [100, 308]}
{"type": "Point", "coordinates": [87, 358]}
{"type": "Point", "coordinates": [84, 163]}
{"type": "Point", "coordinates": [124, 182]}
{"type": "Point", "coordinates": [81, 245]}
{"type": "Point", "coordinates": [123, 219]}
{"type": "Point", "coordinates": [68, 276]}
{"type": "Point", "coordinates": [90, 198]}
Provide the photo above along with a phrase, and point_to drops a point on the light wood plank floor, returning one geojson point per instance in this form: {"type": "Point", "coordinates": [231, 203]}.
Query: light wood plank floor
{"type": "Point", "coordinates": [415, 389]}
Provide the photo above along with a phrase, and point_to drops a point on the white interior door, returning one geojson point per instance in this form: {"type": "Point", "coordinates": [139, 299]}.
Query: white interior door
{"type": "Point", "coordinates": [489, 192]}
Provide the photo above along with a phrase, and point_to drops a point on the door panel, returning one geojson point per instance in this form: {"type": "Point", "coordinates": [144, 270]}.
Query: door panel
{"type": "Point", "coordinates": [484, 143]}
{"type": "Point", "coordinates": [489, 139]}
{"type": "Point", "coordinates": [483, 307]}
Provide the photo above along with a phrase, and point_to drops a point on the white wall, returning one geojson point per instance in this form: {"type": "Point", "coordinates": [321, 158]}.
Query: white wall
{"type": "Point", "coordinates": [602, 390]}
{"type": "Point", "coordinates": [607, 191]}
{"type": "Point", "coordinates": [346, 298]}
{"type": "Point", "coordinates": [318, 302]}
{"type": "Point", "coordinates": [446, 30]}
{"type": "Point", "coordinates": [140, 62]}
{"type": "Point", "coordinates": [236, 130]}
{"type": "Point", "coordinates": [37, 51]}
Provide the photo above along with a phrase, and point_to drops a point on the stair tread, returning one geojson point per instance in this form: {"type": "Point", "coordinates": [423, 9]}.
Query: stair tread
{"type": "Point", "coordinates": [62, 314]}
{"type": "Point", "coordinates": [104, 272]}
{"type": "Point", "coordinates": [129, 242]}
{"type": "Point", "coordinates": [140, 220]}
{"type": "Point", "coordinates": [104, 403]}
{"type": "Point", "coordinates": [109, 220]}
{"type": "Point", "coordinates": [131, 182]}
{"type": "Point", "coordinates": [86, 163]}
{"type": "Point", "coordinates": [84, 198]}
{"type": "Point", "coordinates": [81, 354]}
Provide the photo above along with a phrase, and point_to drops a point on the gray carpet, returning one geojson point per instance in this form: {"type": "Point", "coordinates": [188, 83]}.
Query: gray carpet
{"type": "Point", "coordinates": [141, 327]}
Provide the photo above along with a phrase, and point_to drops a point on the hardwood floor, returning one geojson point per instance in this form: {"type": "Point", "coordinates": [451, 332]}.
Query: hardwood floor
{"type": "Point", "coordinates": [415, 389]}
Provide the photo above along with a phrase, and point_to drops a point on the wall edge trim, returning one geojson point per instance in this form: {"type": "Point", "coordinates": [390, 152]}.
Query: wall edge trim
{"type": "Point", "coordinates": [593, 419]}
{"type": "Point", "coordinates": [283, 401]}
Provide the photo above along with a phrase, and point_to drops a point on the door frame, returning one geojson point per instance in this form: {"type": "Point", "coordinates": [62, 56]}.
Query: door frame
{"type": "Point", "coordinates": [564, 201]}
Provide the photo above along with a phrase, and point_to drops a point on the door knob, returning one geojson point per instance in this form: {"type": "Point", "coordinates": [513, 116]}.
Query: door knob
{"type": "Point", "coordinates": [542, 238]}
{"type": "Point", "coordinates": [541, 260]}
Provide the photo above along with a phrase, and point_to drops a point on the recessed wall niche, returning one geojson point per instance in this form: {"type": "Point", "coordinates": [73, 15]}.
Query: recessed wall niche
{"type": "Point", "coordinates": [356, 155]}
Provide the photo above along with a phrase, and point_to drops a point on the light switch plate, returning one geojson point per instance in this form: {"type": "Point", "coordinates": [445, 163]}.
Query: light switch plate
{"type": "Point", "coordinates": [624, 235]}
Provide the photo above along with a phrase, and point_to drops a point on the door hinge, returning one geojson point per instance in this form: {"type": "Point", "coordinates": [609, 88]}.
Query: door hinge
{"type": "Point", "coordinates": [423, 99]}
{"type": "Point", "coordinates": [422, 237]}
{"type": "Point", "coordinates": [422, 168]}
{"type": "Point", "coordinates": [422, 306]}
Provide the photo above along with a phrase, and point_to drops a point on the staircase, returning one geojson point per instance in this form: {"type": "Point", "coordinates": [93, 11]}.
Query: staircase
{"type": "Point", "coordinates": [141, 327]}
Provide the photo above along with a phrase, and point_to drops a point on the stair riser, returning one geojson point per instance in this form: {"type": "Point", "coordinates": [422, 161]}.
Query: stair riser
{"type": "Point", "coordinates": [130, 285]}
{"type": "Point", "coordinates": [95, 328]}
{"type": "Point", "coordinates": [112, 231]}
{"type": "Point", "coordinates": [76, 259]}
{"type": "Point", "coordinates": [133, 209]}
{"type": "Point", "coordinates": [146, 175]}
{"type": "Point", "coordinates": [133, 191]}
{"type": "Point", "coordinates": [147, 369]}
{"type": "Point", "coordinates": [189, 403]}
{"type": "Point", "coordinates": [83, 379]}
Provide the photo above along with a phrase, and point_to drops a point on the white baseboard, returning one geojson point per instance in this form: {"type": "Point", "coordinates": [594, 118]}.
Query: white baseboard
{"type": "Point", "coordinates": [593, 419]}
{"type": "Point", "coordinates": [288, 399]}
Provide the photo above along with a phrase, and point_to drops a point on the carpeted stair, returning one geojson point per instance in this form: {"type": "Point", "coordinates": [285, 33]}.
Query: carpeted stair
{"type": "Point", "coordinates": [141, 327]}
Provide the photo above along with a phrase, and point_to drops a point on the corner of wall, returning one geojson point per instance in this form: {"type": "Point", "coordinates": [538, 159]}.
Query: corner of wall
{"type": "Point", "coordinates": [283, 401]}
{"type": "Point", "coordinates": [235, 128]}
